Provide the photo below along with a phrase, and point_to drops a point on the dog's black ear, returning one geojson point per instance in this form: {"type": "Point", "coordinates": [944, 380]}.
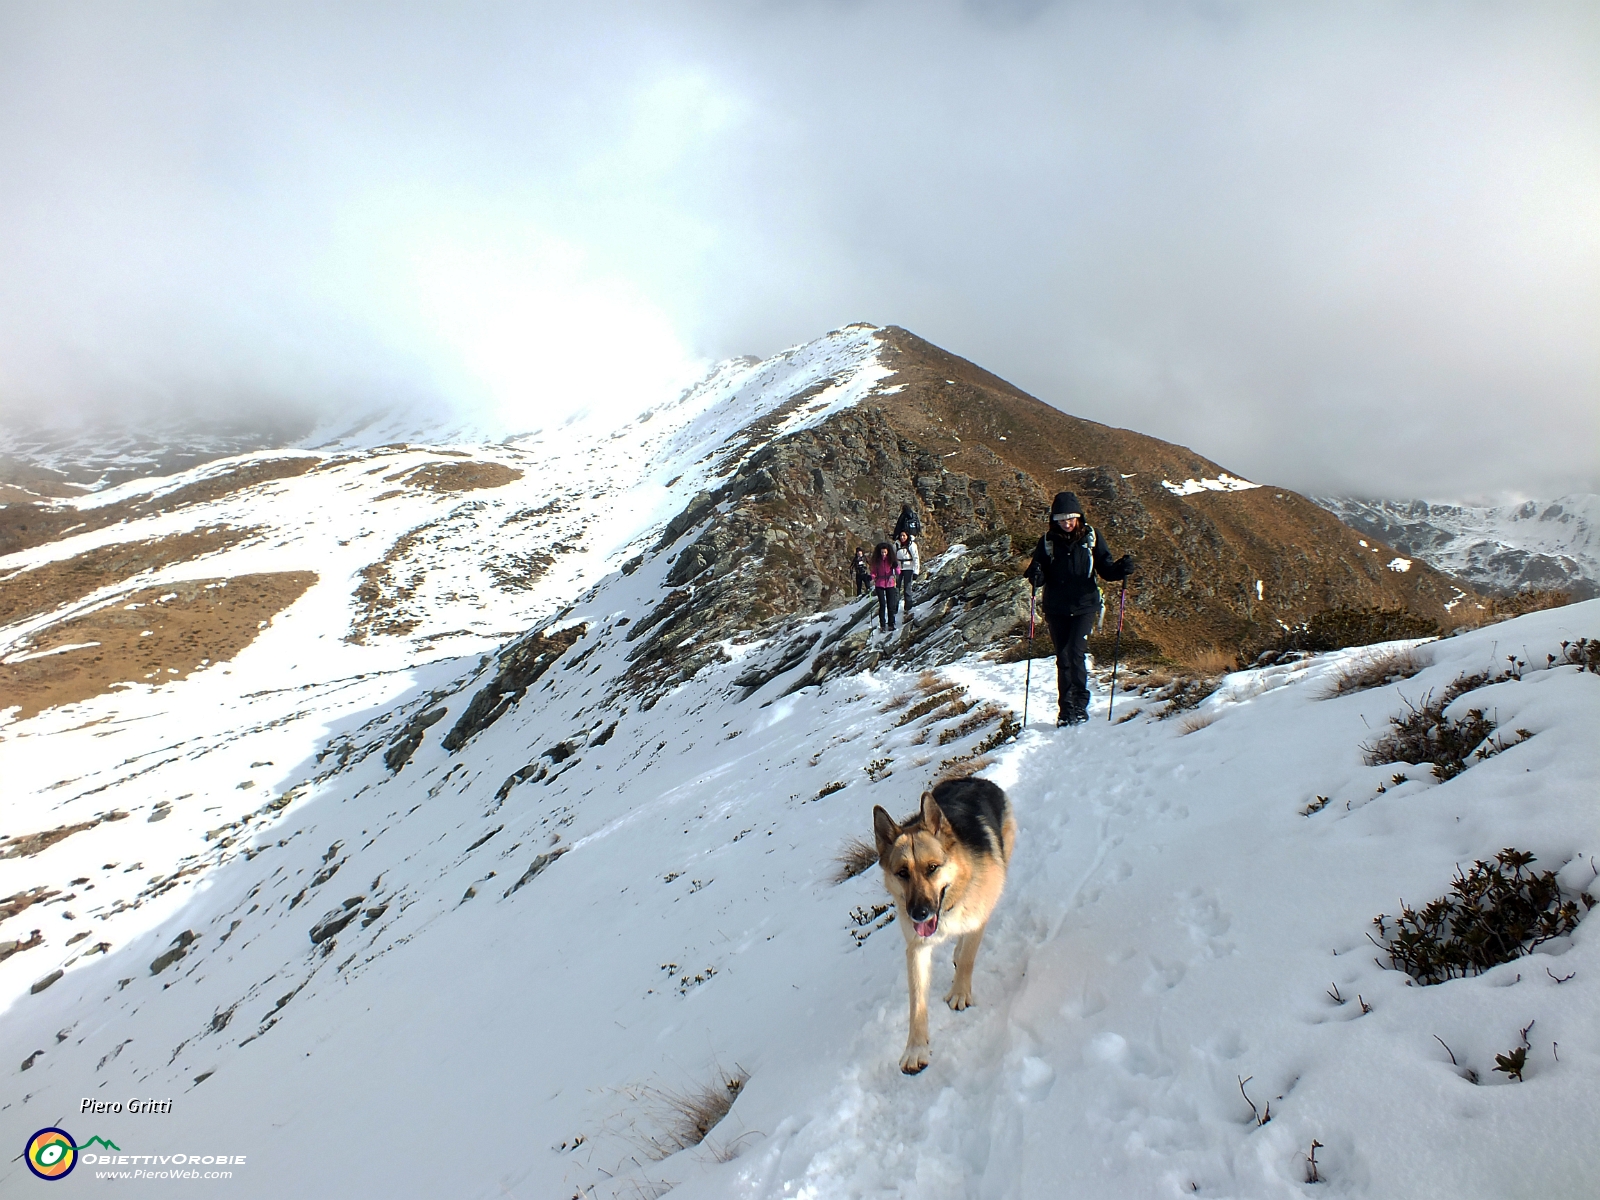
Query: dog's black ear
{"type": "Point", "coordinates": [884, 830]}
{"type": "Point", "coordinates": [932, 816]}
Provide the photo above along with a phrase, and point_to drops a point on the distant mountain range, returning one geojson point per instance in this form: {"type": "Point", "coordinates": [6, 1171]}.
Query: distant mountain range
{"type": "Point", "coordinates": [40, 459]}
{"type": "Point", "coordinates": [1498, 550]}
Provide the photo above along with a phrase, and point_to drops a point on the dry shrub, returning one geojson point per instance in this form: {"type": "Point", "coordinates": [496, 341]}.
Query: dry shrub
{"type": "Point", "coordinates": [959, 768]}
{"type": "Point", "coordinates": [927, 683]}
{"type": "Point", "coordinates": [1375, 668]}
{"type": "Point", "coordinates": [1195, 722]}
{"type": "Point", "coordinates": [1181, 695]}
{"type": "Point", "coordinates": [1494, 913]}
{"type": "Point", "coordinates": [1423, 734]}
{"type": "Point", "coordinates": [1585, 653]}
{"type": "Point", "coordinates": [855, 857]}
{"type": "Point", "coordinates": [986, 715]}
{"type": "Point", "coordinates": [1337, 629]}
{"type": "Point", "coordinates": [939, 698]}
{"type": "Point", "coordinates": [648, 1189]}
{"type": "Point", "coordinates": [1503, 608]}
{"type": "Point", "coordinates": [687, 1117]}
{"type": "Point", "coordinates": [1211, 662]}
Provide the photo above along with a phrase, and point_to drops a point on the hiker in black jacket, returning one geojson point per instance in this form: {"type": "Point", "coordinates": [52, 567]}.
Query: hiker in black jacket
{"type": "Point", "coordinates": [863, 573]}
{"type": "Point", "coordinates": [1065, 563]}
{"type": "Point", "coordinates": [909, 522]}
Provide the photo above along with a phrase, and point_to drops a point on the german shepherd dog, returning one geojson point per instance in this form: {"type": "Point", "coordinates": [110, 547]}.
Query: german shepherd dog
{"type": "Point", "coordinates": [945, 868]}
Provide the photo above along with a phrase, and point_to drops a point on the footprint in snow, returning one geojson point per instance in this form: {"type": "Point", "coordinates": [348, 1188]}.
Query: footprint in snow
{"type": "Point", "coordinates": [1164, 976]}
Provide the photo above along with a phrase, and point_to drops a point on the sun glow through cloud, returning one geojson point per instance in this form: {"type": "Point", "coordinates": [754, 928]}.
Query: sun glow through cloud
{"type": "Point", "coordinates": [519, 328]}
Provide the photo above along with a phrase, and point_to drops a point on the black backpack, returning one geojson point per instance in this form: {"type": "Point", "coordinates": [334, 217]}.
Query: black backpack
{"type": "Point", "coordinates": [909, 522]}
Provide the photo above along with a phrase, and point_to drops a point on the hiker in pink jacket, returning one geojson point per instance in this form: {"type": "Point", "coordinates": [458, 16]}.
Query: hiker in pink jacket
{"type": "Point", "coordinates": [885, 571]}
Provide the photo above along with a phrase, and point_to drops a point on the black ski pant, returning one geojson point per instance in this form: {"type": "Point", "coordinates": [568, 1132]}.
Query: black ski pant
{"type": "Point", "coordinates": [888, 601]}
{"type": "Point", "coordinates": [863, 583]}
{"type": "Point", "coordinates": [906, 580]}
{"type": "Point", "coordinates": [1071, 636]}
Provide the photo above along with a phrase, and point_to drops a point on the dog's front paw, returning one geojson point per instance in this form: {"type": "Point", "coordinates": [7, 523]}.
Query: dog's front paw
{"type": "Point", "coordinates": [915, 1059]}
{"type": "Point", "coordinates": [959, 998]}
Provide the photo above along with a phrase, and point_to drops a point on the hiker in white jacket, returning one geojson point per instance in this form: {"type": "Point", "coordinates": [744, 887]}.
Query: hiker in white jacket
{"type": "Point", "coordinates": [910, 561]}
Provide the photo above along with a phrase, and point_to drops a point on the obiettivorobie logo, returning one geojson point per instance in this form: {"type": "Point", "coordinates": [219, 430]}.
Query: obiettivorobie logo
{"type": "Point", "coordinates": [52, 1153]}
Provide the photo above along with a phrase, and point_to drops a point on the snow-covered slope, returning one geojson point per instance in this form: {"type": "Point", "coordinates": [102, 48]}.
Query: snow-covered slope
{"type": "Point", "coordinates": [367, 964]}
{"type": "Point", "coordinates": [412, 582]}
{"type": "Point", "coordinates": [1501, 549]}
{"type": "Point", "coordinates": [487, 973]}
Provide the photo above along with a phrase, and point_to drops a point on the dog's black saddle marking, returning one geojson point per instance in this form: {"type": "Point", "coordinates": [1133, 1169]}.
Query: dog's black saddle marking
{"type": "Point", "coordinates": [976, 809]}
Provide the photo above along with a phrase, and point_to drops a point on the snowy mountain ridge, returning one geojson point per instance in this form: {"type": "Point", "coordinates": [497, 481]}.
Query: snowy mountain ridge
{"type": "Point", "coordinates": [1499, 549]}
{"type": "Point", "coordinates": [421, 865]}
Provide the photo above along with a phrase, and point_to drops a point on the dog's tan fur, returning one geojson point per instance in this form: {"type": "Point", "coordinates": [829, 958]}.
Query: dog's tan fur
{"type": "Point", "coordinates": [925, 864]}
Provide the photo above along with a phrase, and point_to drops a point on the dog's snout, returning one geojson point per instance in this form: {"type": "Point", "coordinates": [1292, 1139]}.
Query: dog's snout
{"type": "Point", "coordinates": [920, 910]}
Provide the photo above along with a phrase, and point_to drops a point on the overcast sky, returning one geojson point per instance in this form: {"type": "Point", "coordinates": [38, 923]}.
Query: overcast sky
{"type": "Point", "coordinates": [1342, 247]}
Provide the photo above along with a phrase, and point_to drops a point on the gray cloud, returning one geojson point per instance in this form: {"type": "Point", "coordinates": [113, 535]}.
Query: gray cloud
{"type": "Point", "coordinates": [1349, 249]}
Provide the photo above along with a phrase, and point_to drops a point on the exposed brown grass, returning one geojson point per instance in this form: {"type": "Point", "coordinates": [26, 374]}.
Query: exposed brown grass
{"type": "Point", "coordinates": [25, 525]}
{"type": "Point", "coordinates": [155, 635]}
{"type": "Point", "coordinates": [1503, 608]}
{"type": "Point", "coordinates": [1374, 668]}
{"type": "Point", "coordinates": [927, 682]}
{"type": "Point", "coordinates": [460, 476]}
{"type": "Point", "coordinates": [18, 901]}
{"type": "Point", "coordinates": [28, 844]}
{"type": "Point", "coordinates": [685, 1118]}
{"type": "Point", "coordinates": [937, 702]}
{"type": "Point", "coordinates": [1195, 722]}
{"type": "Point", "coordinates": [225, 483]}
{"type": "Point", "coordinates": [386, 588]}
{"type": "Point", "coordinates": [44, 588]}
{"type": "Point", "coordinates": [855, 857]}
{"type": "Point", "coordinates": [986, 715]}
{"type": "Point", "coordinates": [959, 768]}
{"type": "Point", "coordinates": [1211, 661]}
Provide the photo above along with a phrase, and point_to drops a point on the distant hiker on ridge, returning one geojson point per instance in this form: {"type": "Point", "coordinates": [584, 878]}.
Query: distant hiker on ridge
{"type": "Point", "coordinates": [863, 572]}
{"type": "Point", "coordinates": [885, 575]}
{"type": "Point", "coordinates": [909, 522]}
{"type": "Point", "coordinates": [910, 564]}
{"type": "Point", "coordinates": [1065, 563]}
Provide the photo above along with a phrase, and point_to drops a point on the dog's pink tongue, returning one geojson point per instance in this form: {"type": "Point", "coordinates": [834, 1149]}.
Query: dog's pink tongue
{"type": "Point", "coordinates": [926, 928]}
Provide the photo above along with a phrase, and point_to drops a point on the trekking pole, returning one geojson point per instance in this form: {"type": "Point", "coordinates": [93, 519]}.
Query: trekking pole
{"type": "Point", "coordinates": [1116, 653]}
{"type": "Point", "coordinates": [1027, 675]}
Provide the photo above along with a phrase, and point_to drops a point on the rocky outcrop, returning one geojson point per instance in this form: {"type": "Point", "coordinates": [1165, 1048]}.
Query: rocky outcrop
{"type": "Point", "coordinates": [776, 540]}
{"type": "Point", "coordinates": [520, 667]}
{"type": "Point", "coordinates": [405, 743]}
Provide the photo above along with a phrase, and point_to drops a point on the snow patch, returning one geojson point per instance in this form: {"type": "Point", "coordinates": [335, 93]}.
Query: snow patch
{"type": "Point", "coordinates": [1222, 483]}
